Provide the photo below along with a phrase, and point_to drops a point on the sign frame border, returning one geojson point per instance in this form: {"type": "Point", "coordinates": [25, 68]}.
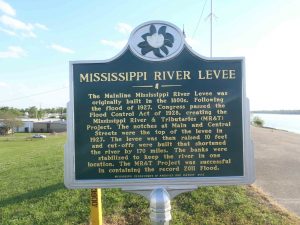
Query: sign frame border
{"type": "Point", "coordinates": [151, 183]}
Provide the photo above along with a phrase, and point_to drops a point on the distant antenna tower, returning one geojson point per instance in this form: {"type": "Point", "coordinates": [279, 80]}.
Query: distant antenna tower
{"type": "Point", "coordinates": [211, 15]}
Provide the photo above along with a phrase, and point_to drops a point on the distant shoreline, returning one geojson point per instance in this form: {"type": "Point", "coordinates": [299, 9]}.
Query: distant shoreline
{"type": "Point", "coordinates": [289, 112]}
{"type": "Point", "coordinates": [288, 122]}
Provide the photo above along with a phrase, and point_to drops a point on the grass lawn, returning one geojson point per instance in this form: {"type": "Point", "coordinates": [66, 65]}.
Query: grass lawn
{"type": "Point", "coordinates": [32, 192]}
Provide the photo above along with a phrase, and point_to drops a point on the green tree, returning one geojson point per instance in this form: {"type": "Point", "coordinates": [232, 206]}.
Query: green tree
{"type": "Point", "coordinates": [40, 114]}
{"type": "Point", "coordinates": [9, 121]}
{"type": "Point", "coordinates": [12, 110]}
{"type": "Point", "coordinates": [32, 111]}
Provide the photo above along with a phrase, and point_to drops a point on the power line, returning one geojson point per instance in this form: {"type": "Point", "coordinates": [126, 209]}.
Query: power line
{"type": "Point", "coordinates": [36, 94]}
{"type": "Point", "coordinates": [200, 18]}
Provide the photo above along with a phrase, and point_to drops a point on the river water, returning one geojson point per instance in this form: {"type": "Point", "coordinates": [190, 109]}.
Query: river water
{"type": "Point", "coordinates": [286, 122]}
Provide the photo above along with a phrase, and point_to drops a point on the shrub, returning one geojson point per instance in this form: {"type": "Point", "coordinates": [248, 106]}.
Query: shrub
{"type": "Point", "coordinates": [257, 121]}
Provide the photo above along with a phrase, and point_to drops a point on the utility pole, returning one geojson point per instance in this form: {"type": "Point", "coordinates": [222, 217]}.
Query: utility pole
{"type": "Point", "coordinates": [211, 25]}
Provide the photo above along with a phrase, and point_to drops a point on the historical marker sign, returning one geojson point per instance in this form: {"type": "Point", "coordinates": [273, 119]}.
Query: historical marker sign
{"type": "Point", "coordinates": [158, 114]}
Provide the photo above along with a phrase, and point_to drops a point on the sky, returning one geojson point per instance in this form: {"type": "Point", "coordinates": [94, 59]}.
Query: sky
{"type": "Point", "coordinates": [39, 38]}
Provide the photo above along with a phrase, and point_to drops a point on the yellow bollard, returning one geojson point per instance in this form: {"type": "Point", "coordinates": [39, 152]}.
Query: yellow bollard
{"type": "Point", "coordinates": [96, 207]}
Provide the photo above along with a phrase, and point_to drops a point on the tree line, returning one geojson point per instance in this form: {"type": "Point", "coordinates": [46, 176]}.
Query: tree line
{"type": "Point", "coordinates": [33, 112]}
{"type": "Point", "coordinates": [10, 117]}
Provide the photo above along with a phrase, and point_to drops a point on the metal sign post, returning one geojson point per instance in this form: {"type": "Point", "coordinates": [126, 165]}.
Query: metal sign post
{"type": "Point", "coordinates": [160, 201]}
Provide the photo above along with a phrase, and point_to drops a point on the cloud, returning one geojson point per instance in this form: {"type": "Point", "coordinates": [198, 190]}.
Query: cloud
{"type": "Point", "coordinates": [7, 9]}
{"type": "Point", "coordinates": [17, 27]}
{"type": "Point", "coordinates": [123, 28]}
{"type": "Point", "coordinates": [8, 32]}
{"type": "Point", "coordinates": [4, 85]}
{"type": "Point", "coordinates": [61, 49]}
{"type": "Point", "coordinates": [29, 34]}
{"type": "Point", "coordinates": [13, 52]}
{"type": "Point", "coordinates": [41, 26]}
{"type": "Point", "coordinates": [15, 24]}
{"type": "Point", "coordinates": [114, 44]}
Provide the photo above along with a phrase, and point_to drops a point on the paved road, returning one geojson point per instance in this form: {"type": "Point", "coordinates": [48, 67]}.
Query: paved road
{"type": "Point", "coordinates": [277, 158]}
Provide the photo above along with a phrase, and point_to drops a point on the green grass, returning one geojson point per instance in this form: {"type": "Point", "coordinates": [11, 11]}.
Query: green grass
{"type": "Point", "coordinates": [32, 189]}
{"type": "Point", "coordinates": [32, 192]}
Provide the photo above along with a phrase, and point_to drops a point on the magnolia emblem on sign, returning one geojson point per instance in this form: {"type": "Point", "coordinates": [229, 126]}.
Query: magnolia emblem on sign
{"type": "Point", "coordinates": [156, 41]}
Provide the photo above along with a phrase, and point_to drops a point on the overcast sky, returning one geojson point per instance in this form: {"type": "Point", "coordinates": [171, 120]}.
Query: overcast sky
{"type": "Point", "coordinates": [39, 38]}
